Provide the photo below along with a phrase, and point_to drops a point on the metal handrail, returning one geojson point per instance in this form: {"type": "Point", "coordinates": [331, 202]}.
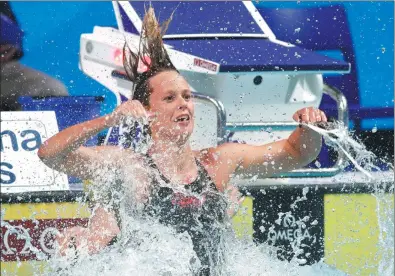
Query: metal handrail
{"type": "Point", "coordinates": [221, 114]}
{"type": "Point", "coordinates": [342, 107]}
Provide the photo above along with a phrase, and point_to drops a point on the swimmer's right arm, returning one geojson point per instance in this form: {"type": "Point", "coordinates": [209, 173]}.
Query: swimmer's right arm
{"type": "Point", "coordinates": [65, 151]}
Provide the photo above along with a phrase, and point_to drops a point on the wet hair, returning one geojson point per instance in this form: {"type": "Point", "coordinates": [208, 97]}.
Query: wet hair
{"type": "Point", "coordinates": [151, 46]}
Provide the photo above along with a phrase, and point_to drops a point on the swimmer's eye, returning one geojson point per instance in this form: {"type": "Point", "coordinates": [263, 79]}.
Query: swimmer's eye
{"type": "Point", "coordinates": [168, 98]}
{"type": "Point", "coordinates": [187, 97]}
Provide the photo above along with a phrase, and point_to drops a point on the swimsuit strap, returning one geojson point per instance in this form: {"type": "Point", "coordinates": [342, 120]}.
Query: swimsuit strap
{"type": "Point", "coordinates": [152, 164]}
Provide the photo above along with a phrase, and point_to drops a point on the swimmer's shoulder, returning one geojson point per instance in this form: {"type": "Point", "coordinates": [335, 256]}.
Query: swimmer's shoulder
{"type": "Point", "coordinates": [216, 162]}
{"type": "Point", "coordinates": [223, 159]}
{"type": "Point", "coordinates": [207, 156]}
{"type": "Point", "coordinates": [216, 155]}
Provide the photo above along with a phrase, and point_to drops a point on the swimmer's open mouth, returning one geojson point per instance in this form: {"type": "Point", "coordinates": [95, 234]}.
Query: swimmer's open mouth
{"type": "Point", "coordinates": [182, 118]}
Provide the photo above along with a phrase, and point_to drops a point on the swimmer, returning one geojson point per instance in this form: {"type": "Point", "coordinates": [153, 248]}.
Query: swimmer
{"type": "Point", "coordinates": [164, 99]}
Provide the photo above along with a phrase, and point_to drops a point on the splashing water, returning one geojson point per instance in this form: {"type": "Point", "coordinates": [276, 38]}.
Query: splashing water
{"type": "Point", "coordinates": [339, 137]}
{"type": "Point", "coordinates": [148, 247]}
{"type": "Point", "coordinates": [364, 161]}
{"type": "Point", "coordinates": [134, 134]}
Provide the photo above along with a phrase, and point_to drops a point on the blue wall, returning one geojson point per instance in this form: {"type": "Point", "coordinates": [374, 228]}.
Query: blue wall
{"type": "Point", "coordinates": [53, 30]}
{"type": "Point", "coordinates": [52, 37]}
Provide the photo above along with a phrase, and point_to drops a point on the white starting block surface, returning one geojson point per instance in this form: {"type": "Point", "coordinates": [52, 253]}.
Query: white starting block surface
{"type": "Point", "coordinates": [22, 133]}
{"type": "Point", "coordinates": [225, 50]}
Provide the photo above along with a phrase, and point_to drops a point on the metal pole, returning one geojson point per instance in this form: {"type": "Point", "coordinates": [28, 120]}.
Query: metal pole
{"type": "Point", "coordinates": [221, 114]}
{"type": "Point", "coordinates": [342, 107]}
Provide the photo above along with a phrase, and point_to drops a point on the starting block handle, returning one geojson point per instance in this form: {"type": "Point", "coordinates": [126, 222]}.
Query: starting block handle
{"type": "Point", "coordinates": [342, 108]}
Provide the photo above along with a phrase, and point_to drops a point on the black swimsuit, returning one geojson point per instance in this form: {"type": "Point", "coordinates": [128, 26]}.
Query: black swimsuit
{"type": "Point", "coordinates": [201, 216]}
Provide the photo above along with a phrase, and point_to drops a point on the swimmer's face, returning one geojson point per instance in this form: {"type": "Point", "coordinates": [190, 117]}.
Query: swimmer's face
{"type": "Point", "coordinates": [171, 101]}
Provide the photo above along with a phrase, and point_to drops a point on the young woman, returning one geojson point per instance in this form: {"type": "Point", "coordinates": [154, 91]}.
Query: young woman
{"type": "Point", "coordinates": [163, 96]}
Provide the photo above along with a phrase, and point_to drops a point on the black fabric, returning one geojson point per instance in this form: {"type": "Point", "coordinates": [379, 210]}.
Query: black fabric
{"type": "Point", "coordinates": [201, 216]}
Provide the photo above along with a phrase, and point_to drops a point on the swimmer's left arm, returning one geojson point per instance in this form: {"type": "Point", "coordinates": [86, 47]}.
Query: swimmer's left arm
{"type": "Point", "coordinates": [301, 147]}
{"type": "Point", "coordinates": [101, 229]}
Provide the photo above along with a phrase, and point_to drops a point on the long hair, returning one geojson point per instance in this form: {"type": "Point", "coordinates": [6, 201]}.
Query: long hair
{"type": "Point", "coordinates": [153, 55]}
{"type": "Point", "coordinates": [151, 46]}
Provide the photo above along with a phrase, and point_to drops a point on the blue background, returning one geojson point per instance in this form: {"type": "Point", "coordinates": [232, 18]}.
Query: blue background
{"type": "Point", "coordinates": [53, 29]}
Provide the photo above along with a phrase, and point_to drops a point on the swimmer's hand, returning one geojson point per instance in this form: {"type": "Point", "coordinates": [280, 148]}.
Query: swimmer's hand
{"type": "Point", "coordinates": [80, 239]}
{"type": "Point", "coordinates": [70, 239]}
{"type": "Point", "coordinates": [130, 109]}
{"type": "Point", "coordinates": [304, 144]}
{"type": "Point", "coordinates": [310, 115]}
{"type": "Point", "coordinates": [235, 200]}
